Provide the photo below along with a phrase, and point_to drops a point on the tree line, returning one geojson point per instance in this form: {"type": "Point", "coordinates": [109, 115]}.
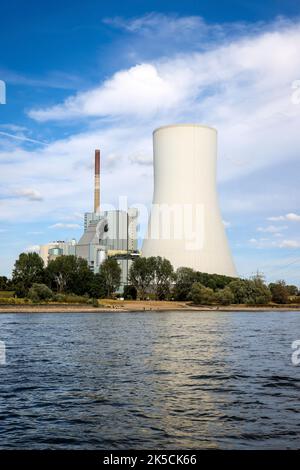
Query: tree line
{"type": "Point", "coordinates": [149, 278]}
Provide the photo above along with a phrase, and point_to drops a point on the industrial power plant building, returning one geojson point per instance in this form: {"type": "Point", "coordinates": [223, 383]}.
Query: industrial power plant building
{"type": "Point", "coordinates": [185, 224]}
{"type": "Point", "coordinates": [110, 233]}
{"type": "Point", "coordinates": [52, 250]}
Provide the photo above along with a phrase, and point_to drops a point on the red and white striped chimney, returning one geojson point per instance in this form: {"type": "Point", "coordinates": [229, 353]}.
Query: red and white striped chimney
{"type": "Point", "coordinates": [97, 182]}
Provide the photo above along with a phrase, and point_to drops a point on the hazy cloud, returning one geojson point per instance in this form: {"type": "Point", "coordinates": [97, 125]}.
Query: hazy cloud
{"type": "Point", "coordinates": [66, 226]}
{"type": "Point", "coordinates": [30, 194]}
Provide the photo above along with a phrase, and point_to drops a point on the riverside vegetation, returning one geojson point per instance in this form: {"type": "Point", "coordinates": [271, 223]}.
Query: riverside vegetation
{"type": "Point", "coordinates": [68, 279]}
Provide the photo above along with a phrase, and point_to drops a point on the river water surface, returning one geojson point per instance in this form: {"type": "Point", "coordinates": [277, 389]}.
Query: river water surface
{"type": "Point", "coordinates": [150, 380]}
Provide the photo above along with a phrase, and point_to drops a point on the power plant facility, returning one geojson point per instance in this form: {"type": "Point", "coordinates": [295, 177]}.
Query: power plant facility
{"type": "Point", "coordinates": [185, 224]}
{"type": "Point", "coordinates": [52, 250]}
{"type": "Point", "coordinates": [110, 233]}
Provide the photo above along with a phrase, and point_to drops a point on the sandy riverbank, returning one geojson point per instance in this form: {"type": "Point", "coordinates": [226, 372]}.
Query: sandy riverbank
{"type": "Point", "coordinates": [138, 306]}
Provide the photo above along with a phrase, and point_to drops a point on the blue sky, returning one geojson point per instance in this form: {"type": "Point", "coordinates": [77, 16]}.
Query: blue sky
{"type": "Point", "coordinates": [82, 75]}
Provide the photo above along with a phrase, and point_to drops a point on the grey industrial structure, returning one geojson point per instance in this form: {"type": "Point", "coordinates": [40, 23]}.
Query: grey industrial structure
{"type": "Point", "coordinates": [110, 233]}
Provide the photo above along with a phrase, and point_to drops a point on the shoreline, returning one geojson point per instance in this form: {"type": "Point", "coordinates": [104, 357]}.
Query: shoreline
{"type": "Point", "coordinates": [110, 306]}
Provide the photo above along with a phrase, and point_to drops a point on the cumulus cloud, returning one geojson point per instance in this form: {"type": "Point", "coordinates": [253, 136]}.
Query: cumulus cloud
{"type": "Point", "coordinates": [239, 86]}
{"type": "Point", "coordinates": [140, 90]}
{"type": "Point", "coordinates": [291, 217]}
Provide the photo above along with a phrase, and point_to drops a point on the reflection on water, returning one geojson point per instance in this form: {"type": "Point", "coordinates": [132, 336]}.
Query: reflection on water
{"type": "Point", "coordinates": [150, 380]}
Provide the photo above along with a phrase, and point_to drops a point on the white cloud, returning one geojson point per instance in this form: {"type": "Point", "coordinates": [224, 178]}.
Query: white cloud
{"type": "Point", "coordinates": [157, 22]}
{"type": "Point", "coordinates": [30, 194]}
{"type": "Point", "coordinates": [140, 90]}
{"type": "Point", "coordinates": [21, 137]}
{"type": "Point", "coordinates": [272, 228]}
{"type": "Point", "coordinates": [140, 158]}
{"type": "Point", "coordinates": [267, 243]}
{"type": "Point", "coordinates": [32, 248]}
{"type": "Point", "coordinates": [240, 86]}
{"type": "Point", "coordinates": [65, 226]}
{"type": "Point", "coordinates": [291, 216]}
{"type": "Point", "coordinates": [290, 244]}
{"type": "Point", "coordinates": [276, 218]}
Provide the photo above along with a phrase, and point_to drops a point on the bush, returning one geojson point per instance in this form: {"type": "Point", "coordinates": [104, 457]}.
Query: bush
{"type": "Point", "coordinates": [59, 298]}
{"type": "Point", "coordinates": [130, 293]}
{"type": "Point", "coordinates": [13, 301]}
{"type": "Point", "coordinates": [72, 299]}
{"type": "Point", "coordinates": [201, 295]}
{"type": "Point", "coordinates": [224, 296]}
{"type": "Point", "coordinates": [280, 292]}
{"type": "Point", "coordinates": [7, 293]}
{"type": "Point", "coordinates": [40, 292]}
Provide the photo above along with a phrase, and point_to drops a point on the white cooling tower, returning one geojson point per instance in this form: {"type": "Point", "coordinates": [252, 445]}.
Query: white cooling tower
{"type": "Point", "coordinates": [185, 225]}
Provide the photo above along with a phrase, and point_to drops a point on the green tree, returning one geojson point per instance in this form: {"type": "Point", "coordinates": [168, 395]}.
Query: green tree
{"type": "Point", "coordinates": [214, 281]}
{"type": "Point", "coordinates": [224, 296]}
{"type": "Point", "coordinates": [250, 291]}
{"type": "Point", "coordinates": [280, 292]}
{"type": "Point", "coordinates": [98, 287]}
{"type": "Point", "coordinates": [69, 274]}
{"type": "Point", "coordinates": [28, 269]}
{"type": "Point", "coordinates": [261, 294]}
{"type": "Point", "coordinates": [111, 272]}
{"type": "Point", "coordinates": [4, 283]}
{"type": "Point", "coordinates": [292, 290]}
{"type": "Point", "coordinates": [240, 291]}
{"type": "Point", "coordinates": [202, 295]}
{"type": "Point", "coordinates": [40, 292]}
{"type": "Point", "coordinates": [141, 275]}
{"type": "Point", "coordinates": [185, 278]}
{"type": "Point", "coordinates": [163, 277]}
{"type": "Point", "coordinates": [130, 293]}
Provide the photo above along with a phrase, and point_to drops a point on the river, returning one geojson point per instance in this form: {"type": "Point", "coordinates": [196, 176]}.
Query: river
{"type": "Point", "coordinates": [187, 380]}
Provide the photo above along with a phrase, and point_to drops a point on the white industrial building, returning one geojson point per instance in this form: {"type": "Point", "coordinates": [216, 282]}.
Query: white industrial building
{"type": "Point", "coordinates": [52, 250]}
{"type": "Point", "coordinates": [185, 224]}
{"type": "Point", "coordinates": [109, 233]}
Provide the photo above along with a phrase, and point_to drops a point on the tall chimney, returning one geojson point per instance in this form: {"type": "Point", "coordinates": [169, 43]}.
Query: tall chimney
{"type": "Point", "coordinates": [97, 182]}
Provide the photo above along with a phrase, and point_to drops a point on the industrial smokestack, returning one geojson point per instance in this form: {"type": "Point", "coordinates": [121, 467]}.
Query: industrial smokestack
{"type": "Point", "coordinates": [97, 182]}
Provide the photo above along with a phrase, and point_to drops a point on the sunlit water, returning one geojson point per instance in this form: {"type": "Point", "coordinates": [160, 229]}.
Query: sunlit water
{"type": "Point", "coordinates": [150, 380]}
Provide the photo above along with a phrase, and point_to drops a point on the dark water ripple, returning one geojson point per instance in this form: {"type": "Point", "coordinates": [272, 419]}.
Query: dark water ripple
{"type": "Point", "coordinates": [150, 380]}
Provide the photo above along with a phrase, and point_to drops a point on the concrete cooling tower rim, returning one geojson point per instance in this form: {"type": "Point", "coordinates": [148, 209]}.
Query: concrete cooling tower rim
{"type": "Point", "coordinates": [185, 125]}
